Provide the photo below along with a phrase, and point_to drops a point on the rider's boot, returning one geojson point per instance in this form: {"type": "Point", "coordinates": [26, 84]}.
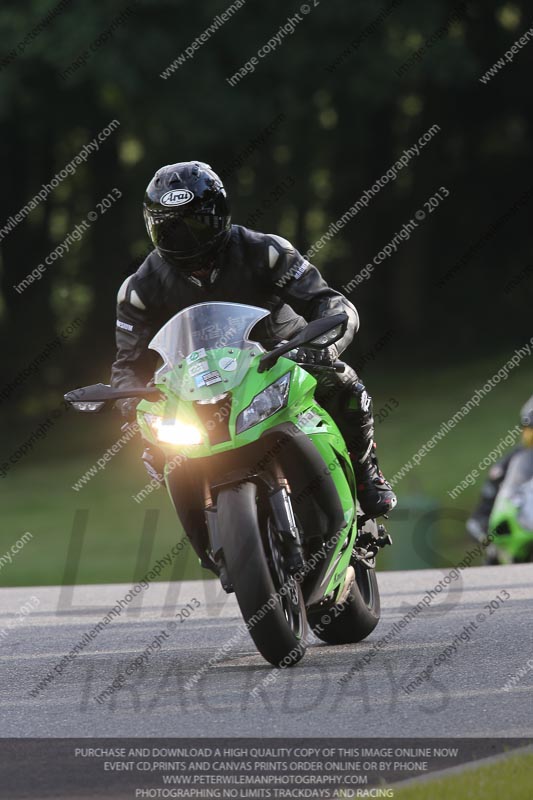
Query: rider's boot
{"type": "Point", "coordinates": [374, 493]}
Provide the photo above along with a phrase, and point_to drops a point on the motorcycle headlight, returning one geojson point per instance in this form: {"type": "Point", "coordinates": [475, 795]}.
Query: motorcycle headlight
{"type": "Point", "coordinates": [174, 431]}
{"type": "Point", "coordinates": [264, 404]}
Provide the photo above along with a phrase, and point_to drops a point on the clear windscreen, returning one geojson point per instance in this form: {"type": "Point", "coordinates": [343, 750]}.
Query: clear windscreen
{"type": "Point", "coordinates": [206, 348]}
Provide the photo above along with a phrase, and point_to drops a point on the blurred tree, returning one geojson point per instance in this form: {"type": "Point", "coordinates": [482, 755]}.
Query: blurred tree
{"type": "Point", "coordinates": [343, 125]}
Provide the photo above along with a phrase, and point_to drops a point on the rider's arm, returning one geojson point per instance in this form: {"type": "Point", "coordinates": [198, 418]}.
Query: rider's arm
{"type": "Point", "coordinates": [134, 363]}
{"type": "Point", "coordinates": [301, 285]}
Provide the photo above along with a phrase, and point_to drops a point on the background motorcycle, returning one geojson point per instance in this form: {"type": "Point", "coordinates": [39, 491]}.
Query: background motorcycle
{"type": "Point", "coordinates": [511, 519]}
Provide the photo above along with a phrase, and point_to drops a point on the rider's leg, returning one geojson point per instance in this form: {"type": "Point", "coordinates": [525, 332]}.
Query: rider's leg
{"type": "Point", "coordinates": [344, 396]}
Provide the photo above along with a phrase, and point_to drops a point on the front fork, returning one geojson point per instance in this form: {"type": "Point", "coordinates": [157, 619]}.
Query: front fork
{"type": "Point", "coordinates": [286, 527]}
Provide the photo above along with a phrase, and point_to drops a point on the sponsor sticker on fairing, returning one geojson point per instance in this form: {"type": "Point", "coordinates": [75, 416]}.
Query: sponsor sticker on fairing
{"type": "Point", "coordinates": [195, 355]}
{"type": "Point", "coordinates": [208, 378]}
{"type": "Point", "coordinates": [228, 364]}
{"type": "Point", "coordinates": [198, 368]}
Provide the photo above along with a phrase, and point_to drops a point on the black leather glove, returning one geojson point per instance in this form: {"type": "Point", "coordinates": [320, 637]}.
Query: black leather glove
{"type": "Point", "coordinates": [128, 407]}
{"type": "Point", "coordinates": [324, 357]}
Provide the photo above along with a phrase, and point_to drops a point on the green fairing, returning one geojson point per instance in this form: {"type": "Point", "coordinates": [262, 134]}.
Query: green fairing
{"type": "Point", "coordinates": [245, 382]}
{"type": "Point", "coordinates": [517, 544]}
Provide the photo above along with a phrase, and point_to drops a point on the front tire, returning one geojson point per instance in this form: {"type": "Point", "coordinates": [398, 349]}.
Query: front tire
{"type": "Point", "coordinates": [356, 618]}
{"type": "Point", "coordinates": [255, 568]}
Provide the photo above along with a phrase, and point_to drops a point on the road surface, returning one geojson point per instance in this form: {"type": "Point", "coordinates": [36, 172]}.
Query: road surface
{"type": "Point", "coordinates": [464, 696]}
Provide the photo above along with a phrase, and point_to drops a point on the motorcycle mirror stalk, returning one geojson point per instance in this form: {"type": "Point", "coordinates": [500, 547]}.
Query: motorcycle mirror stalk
{"type": "Point", "coordinates": [95, 398]}
{"type": "Point", "coordinates": [319, 333]}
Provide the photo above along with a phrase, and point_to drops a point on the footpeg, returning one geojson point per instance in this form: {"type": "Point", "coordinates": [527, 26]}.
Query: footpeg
{"type": "Point", "coordinates": [369, 542]}
{"type": "Point", "coordinates": [384, 539]}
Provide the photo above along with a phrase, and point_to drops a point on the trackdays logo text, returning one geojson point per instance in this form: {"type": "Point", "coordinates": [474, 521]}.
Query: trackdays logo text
{"type": "Point", "coordinates": [177, 197]}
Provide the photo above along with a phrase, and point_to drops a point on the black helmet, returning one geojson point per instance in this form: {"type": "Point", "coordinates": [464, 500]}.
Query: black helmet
{"type": "Point", "coordinates": [526, 415]}
{"type": "Point", "coordinates": [187, 214]}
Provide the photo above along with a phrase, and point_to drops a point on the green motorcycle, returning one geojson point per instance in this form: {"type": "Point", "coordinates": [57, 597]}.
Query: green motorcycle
{"type": "Point", "coordinates": [260, 476]}
{"type": "Point", "coordinates": [511, 519]}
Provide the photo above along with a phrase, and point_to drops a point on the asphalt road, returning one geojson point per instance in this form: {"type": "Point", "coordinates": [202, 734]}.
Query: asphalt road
{"type": "Point", "coordinates": [464, 696]}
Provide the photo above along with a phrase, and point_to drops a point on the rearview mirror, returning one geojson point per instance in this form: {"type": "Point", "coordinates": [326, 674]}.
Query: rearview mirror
{"type": "Point", "coordinates": [94, 398]}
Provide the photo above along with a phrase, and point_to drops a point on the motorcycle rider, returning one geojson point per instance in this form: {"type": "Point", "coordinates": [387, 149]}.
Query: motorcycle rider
{"type": "Point", "coordinates": [200, 256]}
{"type": "Point", "coordinates": [478, 524]}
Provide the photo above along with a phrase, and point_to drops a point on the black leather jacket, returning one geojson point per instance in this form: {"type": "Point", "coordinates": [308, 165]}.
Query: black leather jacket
{"type": "Point", "coordinates": [253, 268]}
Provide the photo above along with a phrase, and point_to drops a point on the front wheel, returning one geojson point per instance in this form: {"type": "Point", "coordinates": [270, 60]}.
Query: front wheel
{"type": "Point", "coordinates": [275, 619]}
{"type": "Point", "coordinates": [355, 618]}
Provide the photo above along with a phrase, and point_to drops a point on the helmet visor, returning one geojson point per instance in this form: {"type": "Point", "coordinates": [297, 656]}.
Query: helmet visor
{"type": "Point", "coordinates": [183, 235]}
